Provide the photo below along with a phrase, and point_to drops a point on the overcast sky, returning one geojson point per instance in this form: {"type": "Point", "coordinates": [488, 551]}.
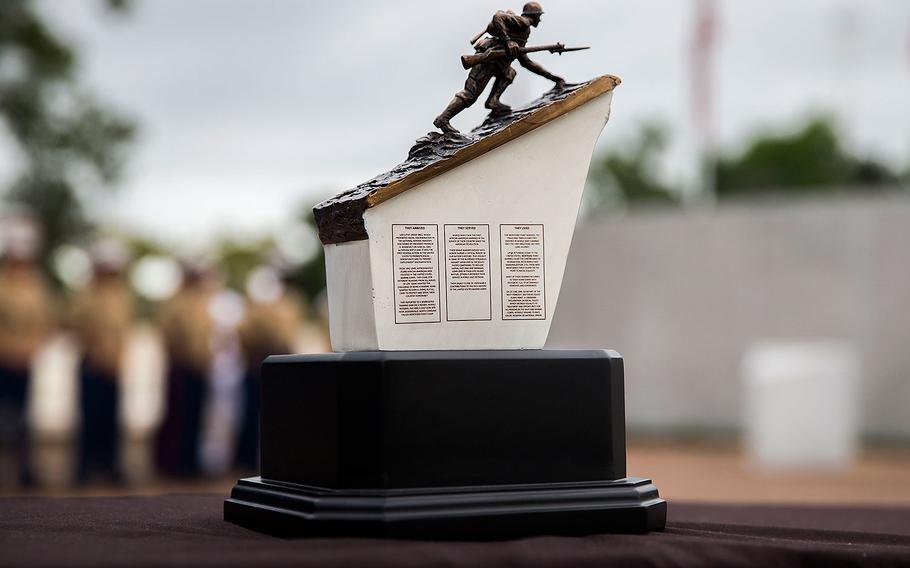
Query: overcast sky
{"type": "Point", "coordinates": [250, 109]}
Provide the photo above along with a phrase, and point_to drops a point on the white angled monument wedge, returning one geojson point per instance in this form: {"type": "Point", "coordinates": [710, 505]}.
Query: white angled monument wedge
{"type": "Point", "coordinates": [463, 246]}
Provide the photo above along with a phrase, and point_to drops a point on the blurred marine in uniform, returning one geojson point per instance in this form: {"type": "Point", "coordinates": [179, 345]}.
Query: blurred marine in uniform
{"type": "Point", "coordinates": [271, 327]}
{"type": "Point", "coordinates": [508, 31]}
{"type": "Point", "coordinates": [101, 317]}
{"type": "Point", "coordinates": [25, 324]}
{"type": "Point", "coordinates": [187, 327]}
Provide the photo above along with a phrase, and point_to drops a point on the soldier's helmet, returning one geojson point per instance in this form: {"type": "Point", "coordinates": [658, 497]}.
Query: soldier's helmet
{"type": "Point", "coordinates": [532, 9]}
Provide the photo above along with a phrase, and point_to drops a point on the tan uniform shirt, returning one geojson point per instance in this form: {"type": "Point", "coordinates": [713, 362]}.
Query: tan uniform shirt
{"type": "Point", "coordinates": [187, 327]}
{"type": "Point", "coordinates": [101, 317]}
{"type": "Point", "coordinates": [270, 328]}
{"type": "Point", "coordinates": [25, 315]}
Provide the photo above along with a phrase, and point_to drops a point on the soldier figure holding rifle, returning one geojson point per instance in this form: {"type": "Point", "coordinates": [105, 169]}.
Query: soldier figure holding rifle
{"type": "Point", "coordinates": [509, 34]}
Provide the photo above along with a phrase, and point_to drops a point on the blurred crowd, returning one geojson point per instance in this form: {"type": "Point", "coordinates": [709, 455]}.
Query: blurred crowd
{"type": "Point", "coordinates": [185, 377]}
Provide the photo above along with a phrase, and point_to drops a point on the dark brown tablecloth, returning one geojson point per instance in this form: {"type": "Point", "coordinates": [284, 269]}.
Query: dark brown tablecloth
{"type": "Point", "coordinates": [188, 530]}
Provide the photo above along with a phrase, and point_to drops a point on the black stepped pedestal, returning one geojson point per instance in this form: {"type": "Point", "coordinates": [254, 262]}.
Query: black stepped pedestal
{"type": "Point", "coordinates": [444, 444]}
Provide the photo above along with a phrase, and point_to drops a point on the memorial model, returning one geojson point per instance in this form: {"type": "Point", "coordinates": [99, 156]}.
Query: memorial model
{"type": "Point", "coordinates": [439, 415]}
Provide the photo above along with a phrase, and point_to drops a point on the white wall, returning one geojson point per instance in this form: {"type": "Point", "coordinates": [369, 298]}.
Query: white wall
{"type": "Point", "coordinates": [683, 295]}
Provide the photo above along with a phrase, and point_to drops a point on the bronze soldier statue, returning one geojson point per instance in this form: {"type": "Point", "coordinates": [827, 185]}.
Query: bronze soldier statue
{"type": "Point", "coordinates": [508, 31]}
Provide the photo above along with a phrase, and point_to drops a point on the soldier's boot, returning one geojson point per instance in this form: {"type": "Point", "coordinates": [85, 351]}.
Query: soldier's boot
{"type": "Point", "coordinates": [497, 108]}
{"type": "Point", "coordinates": [442, 121]}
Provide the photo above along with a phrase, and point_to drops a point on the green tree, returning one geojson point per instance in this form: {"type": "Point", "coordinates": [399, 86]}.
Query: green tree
{"type": "Point", "coordinates": [809, 160]}
{"type": "Point", "coordinates": [628, 175]}
{"type": "Point", "coordinates": [238, 258]}
{"type": "Point", "coordinates": [71, 145]}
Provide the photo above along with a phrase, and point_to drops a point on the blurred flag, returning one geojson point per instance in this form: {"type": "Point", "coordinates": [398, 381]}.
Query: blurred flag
{"type": "Point", "coordinates": [704, 40]}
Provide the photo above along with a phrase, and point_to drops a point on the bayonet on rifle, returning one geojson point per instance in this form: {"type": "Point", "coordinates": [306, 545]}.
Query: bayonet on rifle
{"type": "Point", "coordinates": [468, 61]}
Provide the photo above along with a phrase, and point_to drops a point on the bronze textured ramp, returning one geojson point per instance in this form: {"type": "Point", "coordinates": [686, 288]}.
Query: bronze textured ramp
{"type": "Point", "coordinates": [340, 219]}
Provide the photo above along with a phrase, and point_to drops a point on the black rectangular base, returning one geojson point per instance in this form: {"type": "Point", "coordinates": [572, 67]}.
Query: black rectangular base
{"type": "Point", "coordinates": [482, 513]}
{"type": "Point", "coordinates": [440, 443]}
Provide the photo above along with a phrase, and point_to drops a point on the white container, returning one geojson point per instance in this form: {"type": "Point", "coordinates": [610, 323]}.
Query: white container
{"type": "Point", "coordinates": [801, 404]}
